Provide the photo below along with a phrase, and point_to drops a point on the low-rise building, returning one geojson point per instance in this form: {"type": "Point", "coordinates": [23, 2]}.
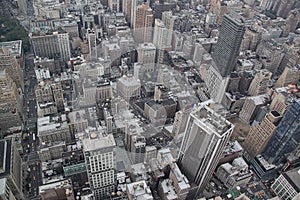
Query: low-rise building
{"type": "Point", "coordinates": [235, 174]}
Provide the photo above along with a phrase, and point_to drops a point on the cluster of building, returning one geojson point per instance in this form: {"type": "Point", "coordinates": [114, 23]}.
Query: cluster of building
{"type": "Point", "coordinates": [156, 100]}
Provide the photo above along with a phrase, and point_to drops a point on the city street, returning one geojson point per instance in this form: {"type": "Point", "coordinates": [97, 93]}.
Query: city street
{"type": "Point", "coordinates": [30, 139]}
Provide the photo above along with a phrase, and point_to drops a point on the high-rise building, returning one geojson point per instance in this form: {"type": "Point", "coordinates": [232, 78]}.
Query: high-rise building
{"type": "Point", "coordinates": [228, 45]}
{"type": "Point", "coordinates": [260, 83]}
{"type": "Point", "coordinates": [100, 159]}
{"type": "Point", "coordinates": [161, 39]}
{"type": "Point", "coordinates": [10, 103]}
{"type": "Point", "coordinates": [260, 134]}
{"type": "Point", "coordinates": [114, 5]}
{"type": "Point", "coordinates": [286, 186]}
{"type": "Point", "coordinates": [161, 6]}
{"type": "Point", "coordinates": [290, 75]}
{"type": "Point", "coordinates": [126, 9]}
{"type": "Point", "coordinates": [54, 45]}
{"type": "Point", "coordinates": [251, 107]}
{"type": "Point", "coordinates": [11, 169]}
{"type": "Point", "coordinates": [134, 5]}
{"type": "Point", "coordinates": [146, 53]}
{"type": "Point", "coordinates": [205, 138]}
{"type": "Point", "coordinates": [286, 136]}
{"type": "Point", "coordinates": [91, 36]}
{"type": "Point", "coordinates": [143, 23]}
{"type": "Point", "coordinates": [5, 193]}
{"type": "Point", "coordinates": [9, 63]}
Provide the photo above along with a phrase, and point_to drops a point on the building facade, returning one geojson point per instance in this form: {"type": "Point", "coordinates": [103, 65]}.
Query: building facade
{"type": "Point", "coordinates": [205, 138]}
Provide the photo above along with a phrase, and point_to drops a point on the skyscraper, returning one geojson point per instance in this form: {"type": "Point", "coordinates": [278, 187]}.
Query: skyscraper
{"type": "Point", "coordinates": [229, 42]}
{"type": "Point", "coordinates": [286, 136]}
{"type": "Point", "coordinates": [99, 151]}
{"type": "Point", "coordinates": [259, 84]}
{"type": "Point", "coordinates": [205, 137]}
{"type": "Point", "coordinates": [11, 169]}
{"type": "Point", "coordinates": [10, 64]}
{"type": "Point", "coordinates": [143, 23]}
{"type": "Point", "coordinates": [10, 103]}
{"type": "Point", "coordinates": [260, 134]}
{"type": "Point", "coordinates": [50, 44]}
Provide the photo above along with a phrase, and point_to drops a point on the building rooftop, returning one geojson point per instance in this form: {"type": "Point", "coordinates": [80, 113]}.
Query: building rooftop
{"type": "Point", "coordinates": [293, 177]}
{"type": "Point", "coordinates": [212, 120]}
{"type": "Point", "coordinates": [140, 190]}
{"type": "Point", "coordinates": [97, 140]}
{"type": "Point", "coordinates": [77, 116]}
{"type": "Point", "coordinates": [15, 47]}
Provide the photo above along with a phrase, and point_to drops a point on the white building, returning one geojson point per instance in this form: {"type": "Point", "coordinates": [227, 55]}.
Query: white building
{"type": "Point", "coordinates": [128, 87]}
{"type": "Point", "coordinates": [205, 138]}
{"type": "Point", "coordinates": [287, 185]}
{"type": "Point", "coordinates": [99, 151]}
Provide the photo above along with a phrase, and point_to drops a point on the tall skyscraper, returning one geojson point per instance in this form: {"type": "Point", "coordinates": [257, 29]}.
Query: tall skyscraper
{"type": "Point", "coordinates": [143, 23]}
{"type": "Point", "coordinates": [260, 134]}
{"type": "Point", "coordinates": [99, 151]}
{"type": "Point", "coordinates": [91, 36]}
{"type": "Point", "coordinates": [205, 137]}
{"type": "Point", "coordinates": [126, 9]}
{"type": "Point", "coordinates": [229, 42]}
{"type": "Point", "coordinates": [286, 137]}
{"type": "Point", "coordinates": [11, 170]}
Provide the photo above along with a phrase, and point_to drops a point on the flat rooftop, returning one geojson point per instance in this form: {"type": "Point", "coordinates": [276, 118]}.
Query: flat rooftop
{"type": "Point", "coordinates": [212, 120]}
{"type": "Point", "coordinates": [15, 47]}
{"type": "Point", "coordinates": [293, 177]}
{"type": "Point", "coordinates": [98, 140]}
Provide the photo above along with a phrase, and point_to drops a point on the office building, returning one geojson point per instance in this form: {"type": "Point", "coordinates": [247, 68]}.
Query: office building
{"type": "Point", "coordinates": [11, 170]}
{"type": "Point", "coordinates": [114, 5]}
{"type": "Point", "coordinates": [50, 43]}
{"type": "Point", "coordinates": [100, 159]}
{"type": "Point", "coordinates": [142, 26]}
{"type": "Point", "coordinates": [5, 193]}
{"type": "Point", "coordinates": [161, 6]}
{"type": "Point", "coordinates": [9, 63]}
{"type": "Point", "coordinates": [260, 134]}
{"type": "Point", "coordinates": [103, 90]}
{"type": "Point", "coordinates": [216, 84]}
{"type": "Point", "coordinates": [234, 174]}
{"type": "Point", "coordinates": [260, 83]}
{"type": "Point", "coordinates": [290, 75]}
{"type": "Point", "coordinates": [78, 121]}
{"type": "Point", "coordinates": [11, 106]}
{"type": "Point", "coordinates": [205, 138]}
{"type": "Point", "coordinates": [91, 36]}
{"type": "Point", "coordinates": [287, 185]}
{"type": "Point", "coordinates": [286, 136]}
{"type": "Point", "coordinates": [228, 45]}
{"type": "Point", "coordinates": [147, 55]}
{"type": "Point", "coordinates": [138, 148]}
{"type": "Point", "coordinates": [251, 107]}
{"type": "Point", "coordinates": [49, 97]}
{"type": "Point", "coordinates": [54, 128]}
{"type": "Point", "coordinates": [126, 9]}
{"type": "Point", "coordinates": [129, 87]}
